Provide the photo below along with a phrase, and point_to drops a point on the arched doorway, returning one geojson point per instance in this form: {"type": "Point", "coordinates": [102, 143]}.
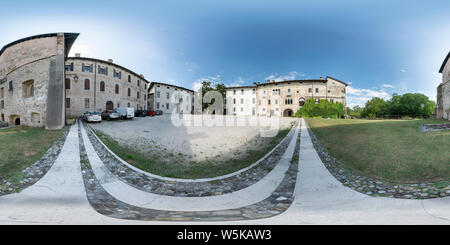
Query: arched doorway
{"type": "Point", "coordinates": [301, 102]}
{"type": "Point", "coordinates": [14, 120]}
{"type": "Point", "coordinates": [288, 113]}
{"type": "Point", "coordinates": [109, 105]}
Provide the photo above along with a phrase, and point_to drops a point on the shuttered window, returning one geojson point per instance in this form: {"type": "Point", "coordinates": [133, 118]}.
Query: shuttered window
{"type": "Point", "coordinates": [87, 84]}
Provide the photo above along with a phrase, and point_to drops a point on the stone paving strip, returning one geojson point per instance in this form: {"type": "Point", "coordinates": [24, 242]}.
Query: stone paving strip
{"type": "Point", "coordinates": [190, 188]}
{"type": "Point", "coordinates": [103, 202]}
{"type": "Point", "coordinates": [128, 194]}
{"type": "Point", "coordinates": [376, 187]}
{"type": "Point", "coordinates": [37, 170]}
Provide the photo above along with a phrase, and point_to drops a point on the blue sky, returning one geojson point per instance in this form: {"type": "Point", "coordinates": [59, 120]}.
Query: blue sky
{"type": "Point", "coordinates": [379, 47]}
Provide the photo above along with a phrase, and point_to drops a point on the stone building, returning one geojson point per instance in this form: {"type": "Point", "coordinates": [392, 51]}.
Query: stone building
{"type": "Point", "coordinates": [170, 98]}
{"type": "Point", "coordinates": [98, 85]}
{"type": "Point", "coordinates": [282, 98]}
{"type": "Point", "coordinates": [32, 80]}
{"type": "Point", "coordinates": [443, 91]}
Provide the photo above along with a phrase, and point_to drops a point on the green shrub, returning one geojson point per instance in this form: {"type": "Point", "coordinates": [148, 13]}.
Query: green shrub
{"type": "Point", "coordinates": [323, 109]}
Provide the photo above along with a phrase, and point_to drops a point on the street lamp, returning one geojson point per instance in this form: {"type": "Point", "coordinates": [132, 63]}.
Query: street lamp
{"type": "Point", "coordinates": [75, 78]}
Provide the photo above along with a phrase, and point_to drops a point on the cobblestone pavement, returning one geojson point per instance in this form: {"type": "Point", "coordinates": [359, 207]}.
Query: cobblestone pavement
{"type": "Point", "coordinates": [278, 202]}
{"type": "Point", "coordinates": [376, 187]}
{"type": "Point", "coordinates": [37, 170]}
{"type": "Point", "coordinates": [189, 189]}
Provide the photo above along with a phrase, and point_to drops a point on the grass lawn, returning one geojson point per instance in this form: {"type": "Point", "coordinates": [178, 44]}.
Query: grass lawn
{"type": "Point", "coordinates": [173, 167]}
{"type": "Point", "coordinates": [22, 146]}
{"type": "Point", "coordinates": [395, 151]}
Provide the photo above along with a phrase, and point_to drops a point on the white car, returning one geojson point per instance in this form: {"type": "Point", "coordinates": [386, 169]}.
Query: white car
{"type": "Point", "coordinates": [92, 116]}
{"type": "Point", "coordinates": [125, 112]}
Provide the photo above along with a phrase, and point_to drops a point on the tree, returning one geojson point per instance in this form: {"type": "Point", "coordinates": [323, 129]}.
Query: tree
{"type": "Point", "coordinates": [376, 107]}
{"type": "Point", "coordinates": [206, 87]}
{"type": "Point", "coordinates": [323, 109]}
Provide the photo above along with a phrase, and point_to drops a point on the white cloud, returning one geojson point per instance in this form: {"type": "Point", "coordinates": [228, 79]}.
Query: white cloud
{"type": "Point", "coordinates": [356, 96]}
{"type": "Point", "coordinates": [290, 76]}
{"type": "Point", "coordinates": [388, 86]}
{"type": "Point", "coordinates": [403, 70]}
{"type": "Point", "coordinates": [198, 83]}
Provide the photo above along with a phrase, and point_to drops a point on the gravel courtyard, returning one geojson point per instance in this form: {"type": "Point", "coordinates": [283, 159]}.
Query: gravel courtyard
{"type": "Point", "coordinates": [158, 135]}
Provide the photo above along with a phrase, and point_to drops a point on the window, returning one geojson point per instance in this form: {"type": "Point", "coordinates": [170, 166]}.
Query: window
{"type": "Point", "coordinates": [234, 92]}
{"type": "Point", "coordinates": [145, 97]}
{"type": "Point", "coordinates": [268, 102]}
{"type": "Point", "coordinates": [2, 93]}
{"type": "Point", "coordinates": [86, 68]}
{"type": "Point", "coordinates": [254, 91]}
{"type": "Point", "coordinates": [87, 84]}
{"type": "Point", "coordinates": [276, 92]}
{"type": "Point", "coordinates": [102, 86]}
{"type": "Point", "coordinates": [288, 101]}
{"type": "Point", "coordinates": [234, 101]}
{"type": "Point", "coordinates": [289, 90]}
{"type": "Point", "coordinates": [67, 102]}
{"type": "Point", "coordinates": [138, 83]}
{"type": "Point", "coordinates": [129, 78]}
{"type": "Point", "coordinates": [86, 103]}
{"type": "Point", "coordinates": [128, 104]}
{"type": "Point", "coordinates": [309, 90]}
{"type": "Point", "coordinates": [343, 90]}
{"type": "Point", "coordinates": [242, 101]}
{"type": "Point", "coordinates": [138, 95]}
{"type": "Point", "coordinates": [157, 105]}
{"type": "Point", "coordinates": [167, 95]}
{"type": "Point", "coordinates": [242, 91]}
{"type": "Point", "coordinates": [102, 71]}
{"type": "Point", "coordinates": [242, 109]}
{"type": "Point", "coordinates": [117, 89]}
{"type": "Point", "coordinates": [67, 83]}
{"type": "Point", "coordinates": [2, 104]}
{"type": "Point", "coordinates": [167, 106]}
{"type": "Point", "coordinates": [117, 74]}
{"type": "Point", "coordinates": [317, 90]}
{"type": "Point", "coordinates": [10, 85]}
{"type": "Point", "coordinates": [28, 89]}
{"type": "Point", "coordinates": [68, 67]}
{"type": "Point", "coordinates": [129, 91]}
{"type": "Point", "coordinates": [234, 109]}
{"type": "Point", "coordinates": [276, 102]}
{"type": "Point", "coordinates": [253, 100]}
{"type": "Point", "coordinates": [158, 94]}
{"type": "Point", "coordinates": [332, 100]}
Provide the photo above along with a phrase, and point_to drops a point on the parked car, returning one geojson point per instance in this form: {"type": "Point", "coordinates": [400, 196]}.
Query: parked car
{"type": "Point", "coordinates": [140, 113]}
{"type": "Point", "coordinates": [125, 112]}
{"type": "Point", "coordinates": [150, 113]}
{"type": "Point", "coordinates": [110, 115]}
{"type": "Point", "coordinates": [90, 116]}
{"type": "Point", "coordinates": [159, 112]}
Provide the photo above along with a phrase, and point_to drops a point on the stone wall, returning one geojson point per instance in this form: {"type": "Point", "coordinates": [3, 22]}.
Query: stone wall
{"type": "Point", "coordinates": [25, 66]}
{"type": "Point", "coordinates": [443, 94]}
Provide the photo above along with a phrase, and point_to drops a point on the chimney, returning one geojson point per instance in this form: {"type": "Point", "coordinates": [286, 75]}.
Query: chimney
{"type": "Point", "coordinates": [77, 55]}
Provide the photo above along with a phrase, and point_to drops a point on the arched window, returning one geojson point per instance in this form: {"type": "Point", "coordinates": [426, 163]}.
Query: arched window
{"type": "Point", "coordinates": [87, 84]}
{"type": "Point", "coordinates": [129, 78]}
{"type": "Point", "coordinates": [138, 95]}
{"type": "Point", "coordinates": [102, 86]}
{"type": "Point", "coordinates": [117, 88]}
{"type": "Point", "coordinates": [67, 83]}
{"type": "Point", "coordinates": [32, 90]}
{"type": "Point", "coordinates": [129, 91]}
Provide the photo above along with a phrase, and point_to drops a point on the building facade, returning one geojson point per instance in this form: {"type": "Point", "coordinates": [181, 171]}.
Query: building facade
{"type": "Point", "coordinates": [32, 80]}
{"type": "Point", "coordinates": [443, 91]}
{"type": "Point", "coordinates": [282, 98]}
{"type": "Point", "coordinates": [170, 98]}
{"type": "Point", "coordinates": [98, 85]}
